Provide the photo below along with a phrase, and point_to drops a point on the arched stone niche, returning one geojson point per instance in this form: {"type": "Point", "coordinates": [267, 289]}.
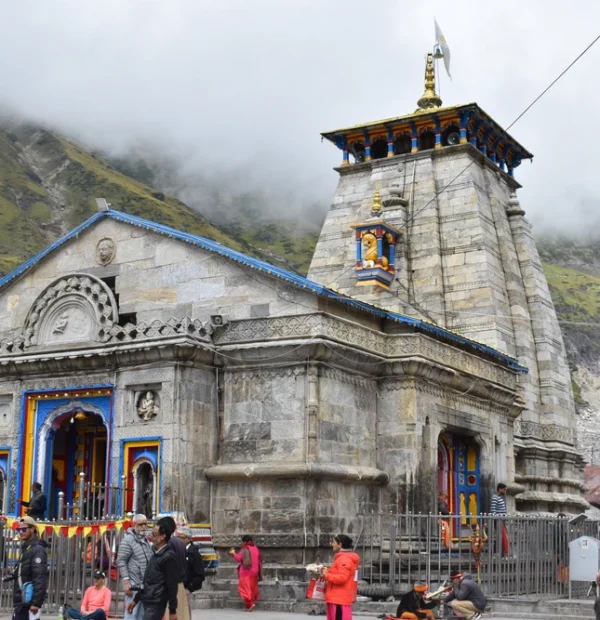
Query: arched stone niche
{"type": "Point", "coordinates": [74, 308]}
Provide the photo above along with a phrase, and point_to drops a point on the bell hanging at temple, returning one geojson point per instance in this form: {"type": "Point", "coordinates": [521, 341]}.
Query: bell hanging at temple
{"type": "Point", "coordinates": [437, 53]}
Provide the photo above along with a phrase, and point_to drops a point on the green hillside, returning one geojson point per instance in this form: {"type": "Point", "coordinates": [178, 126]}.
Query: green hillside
{"type": "Point", "coordinates": [572, 267]}
{"type": "Point", "coordinates": [48, 186]}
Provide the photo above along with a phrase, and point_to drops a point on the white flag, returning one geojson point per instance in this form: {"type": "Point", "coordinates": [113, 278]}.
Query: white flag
{"type": "Point", "coordinates": [440, 40]}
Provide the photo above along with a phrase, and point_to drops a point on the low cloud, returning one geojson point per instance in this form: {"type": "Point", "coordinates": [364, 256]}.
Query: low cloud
{"type": "Point", "coordinates": [239, 91]}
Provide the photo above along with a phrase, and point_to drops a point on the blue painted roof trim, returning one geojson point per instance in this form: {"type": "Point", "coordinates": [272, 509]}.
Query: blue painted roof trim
{"type": "Point", "coordinates": [259, 265]}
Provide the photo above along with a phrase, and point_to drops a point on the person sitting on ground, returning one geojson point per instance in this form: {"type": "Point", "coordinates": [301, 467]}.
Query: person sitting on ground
{"type": "Point", "coordinates": [466, 597]}
{"type": "Point", "coordinates": [96, 601]}
{"type": "Point", "coordinates": [413, 605]}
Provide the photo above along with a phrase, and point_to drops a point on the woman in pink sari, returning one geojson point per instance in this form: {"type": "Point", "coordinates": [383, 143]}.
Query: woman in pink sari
{"type": "Point", "coordinates": [249, 571]}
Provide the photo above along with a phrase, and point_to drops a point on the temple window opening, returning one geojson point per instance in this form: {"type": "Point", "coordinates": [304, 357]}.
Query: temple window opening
{"type": "Point", "coordinates": [402, 144]}
{"type": "Point", "coordinates": [358, 151]}
{"type": "Point", "coordinates": [426, 139]}
{"type": "Point", "coordinates": [379, 148]}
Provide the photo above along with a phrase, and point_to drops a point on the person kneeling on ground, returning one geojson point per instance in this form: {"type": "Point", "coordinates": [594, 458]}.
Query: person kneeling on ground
{"type": "Point", "coordinates": [413, 605]}
{"type": "Point", "coordinates": [466, 597]}
{"type": "Point", "coordinates": [96, 601]}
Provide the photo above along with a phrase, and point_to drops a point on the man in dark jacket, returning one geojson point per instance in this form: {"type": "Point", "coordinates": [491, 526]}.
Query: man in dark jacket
{"type": "Point", "coordinates": [194, 575]}
{"type": "Point", "coordinates": [159, 588]}
{"type": "Point", "coordinates": [413, 605]}
{"type": "Point", "coordinates": [176, 545]}
{"type": "Point", "coordinates": [36, 506]}
{"type": "Point", "coordinates": [31, 573]}
{"type": "Point", "coordinates": [466, 597]}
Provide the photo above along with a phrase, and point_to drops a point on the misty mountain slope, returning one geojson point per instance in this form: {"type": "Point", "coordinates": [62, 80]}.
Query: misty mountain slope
{"type": "Point", "coordinates": [48, 186]}
{"type": "Point", "coordinates": [24, 208]}
{"type": "Point", "coordinates": [572, 267]}
{"type": "Point", "coordinates": [276, 224]}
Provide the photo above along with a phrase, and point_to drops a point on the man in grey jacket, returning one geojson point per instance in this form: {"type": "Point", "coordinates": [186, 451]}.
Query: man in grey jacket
{"type": "Point", "coordinates": [134, 554]}
{"type": "Point", "coordinates": [466, 597]}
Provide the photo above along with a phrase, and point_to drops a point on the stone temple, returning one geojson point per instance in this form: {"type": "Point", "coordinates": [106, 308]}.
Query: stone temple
{"type": "Point", "coordinates": [423, 352]}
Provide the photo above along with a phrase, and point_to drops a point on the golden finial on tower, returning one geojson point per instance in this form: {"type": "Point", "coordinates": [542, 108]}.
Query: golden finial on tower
{"type": "Point", "coordinates": [376, 207]}
{"type": "Point", "coordinates": [429, 100]}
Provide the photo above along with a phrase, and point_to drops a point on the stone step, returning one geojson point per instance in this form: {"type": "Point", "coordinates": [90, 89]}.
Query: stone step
{"type": "Point", "coordinates": [269, 589]}
{"type": "Point", "coordinates": [377, 609]}
{"type": "Point", "coordinates": [270, 572]}
{"type": "Point", "coordinates": [210, 599]}
{"type": "Point", "coordinates": [504, 609]}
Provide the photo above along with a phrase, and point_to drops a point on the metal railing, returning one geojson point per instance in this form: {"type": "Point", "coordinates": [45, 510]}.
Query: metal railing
{"type": "Point", "coordinates": [513, 556]}
{"type": "Point", "coordinates": [94, 501]}
{"type": "Point", "coordinates": [71, 564]}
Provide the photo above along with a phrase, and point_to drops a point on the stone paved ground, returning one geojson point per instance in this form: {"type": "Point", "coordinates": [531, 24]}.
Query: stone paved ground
{"type": "Point", "coordinates": [236, 614]}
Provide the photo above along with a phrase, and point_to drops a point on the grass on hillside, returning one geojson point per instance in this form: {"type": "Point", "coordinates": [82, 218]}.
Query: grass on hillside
{"type": "Point", "coordinates": [576, 295]}
{"type": "Point", "coordinates": [89, 178]}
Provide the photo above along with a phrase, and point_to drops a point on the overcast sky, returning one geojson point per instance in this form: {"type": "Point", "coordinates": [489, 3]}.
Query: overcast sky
{"type": "Point", "coordinates": [247, 85]}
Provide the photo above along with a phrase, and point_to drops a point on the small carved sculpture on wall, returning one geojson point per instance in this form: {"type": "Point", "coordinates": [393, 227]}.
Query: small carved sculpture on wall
{"type": "Point", "coordinates": [105, 251]}
{"type": "Point", "coordinates": [61, 323]}
{"type": "Point", "coordinates": [147, 496]}
{"type": "Point", "coordinates": [371, 253]}
{"type": "Point", "coordinates": [147, 408]}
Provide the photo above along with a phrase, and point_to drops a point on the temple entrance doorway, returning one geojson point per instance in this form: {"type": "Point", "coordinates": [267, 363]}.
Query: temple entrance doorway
{"type": "Point", "coordinates": [144, 489]}
{"type": "Point", "coordinates": [458, 474]}
{"type": "Point", "coordinates": [77, 442]}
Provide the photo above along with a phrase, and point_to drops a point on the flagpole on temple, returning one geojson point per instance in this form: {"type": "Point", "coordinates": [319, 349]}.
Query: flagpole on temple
{"type": "Point", "coordinates": [437, 54]}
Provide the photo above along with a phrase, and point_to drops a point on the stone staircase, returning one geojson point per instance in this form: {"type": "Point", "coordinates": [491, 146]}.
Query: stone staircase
{"type": "Point", "coordinates": [284, 589]}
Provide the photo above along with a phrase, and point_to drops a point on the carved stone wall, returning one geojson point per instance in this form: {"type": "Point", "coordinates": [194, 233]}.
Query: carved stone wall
{"type": "Point", "coordinates": [74, 308]}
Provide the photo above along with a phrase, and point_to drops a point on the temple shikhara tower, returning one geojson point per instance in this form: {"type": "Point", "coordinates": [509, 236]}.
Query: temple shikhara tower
{"type": "Point", "coordinates": [426, 222]}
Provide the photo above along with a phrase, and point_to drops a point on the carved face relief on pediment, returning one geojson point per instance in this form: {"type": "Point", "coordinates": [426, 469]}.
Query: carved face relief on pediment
{"type": "Point", "coordinates": [105, 251]}
{"type": "Point", "coordinates": [74, 309]}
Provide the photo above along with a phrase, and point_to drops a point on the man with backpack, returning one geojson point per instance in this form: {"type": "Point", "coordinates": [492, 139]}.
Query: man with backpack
{"type": "Point", "coordinates": [194, 573]}
{"type": "Point", "coordinates": [31, 573]}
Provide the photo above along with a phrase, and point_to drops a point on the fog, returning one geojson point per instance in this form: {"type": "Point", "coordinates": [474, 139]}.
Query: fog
{"type": "Point", "coordinates": [238, 90]}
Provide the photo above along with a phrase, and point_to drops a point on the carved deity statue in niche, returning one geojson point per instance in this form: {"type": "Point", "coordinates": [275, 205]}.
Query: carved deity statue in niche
{"type": "Point", "coordinates": [147, 496]}
{"type": "Point", "coordinates": [105, 251]}
{"type": "Point", "coordinates": [61, 323]}
{"type": "Point", "coordinates": [147, 406]}
{"type": "Point", "coordinates": [371, 255]}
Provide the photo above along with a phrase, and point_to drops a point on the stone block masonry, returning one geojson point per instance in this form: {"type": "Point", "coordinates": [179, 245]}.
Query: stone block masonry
{"type": "Point", "coordinates": [466, 261]}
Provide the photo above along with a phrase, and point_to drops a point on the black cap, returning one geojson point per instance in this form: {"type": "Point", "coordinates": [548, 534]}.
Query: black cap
{"type": "Point", "coordinates": [99, 575]}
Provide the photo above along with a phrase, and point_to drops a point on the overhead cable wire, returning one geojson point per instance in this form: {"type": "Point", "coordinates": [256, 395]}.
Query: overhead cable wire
{"type": "Point", "coordinates": [562, 74]}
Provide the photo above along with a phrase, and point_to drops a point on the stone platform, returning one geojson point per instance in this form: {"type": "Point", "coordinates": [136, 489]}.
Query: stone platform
{"type": "Point", "coordinates": [501, 609]}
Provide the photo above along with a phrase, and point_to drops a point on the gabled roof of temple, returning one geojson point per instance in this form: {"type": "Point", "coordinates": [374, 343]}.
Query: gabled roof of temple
{"type": "Point", "coordinates": [263, 266]}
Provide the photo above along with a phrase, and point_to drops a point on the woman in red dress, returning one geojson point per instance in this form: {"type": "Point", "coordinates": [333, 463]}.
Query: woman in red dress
{"type": "Point", "coordinates": [249, 571]}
